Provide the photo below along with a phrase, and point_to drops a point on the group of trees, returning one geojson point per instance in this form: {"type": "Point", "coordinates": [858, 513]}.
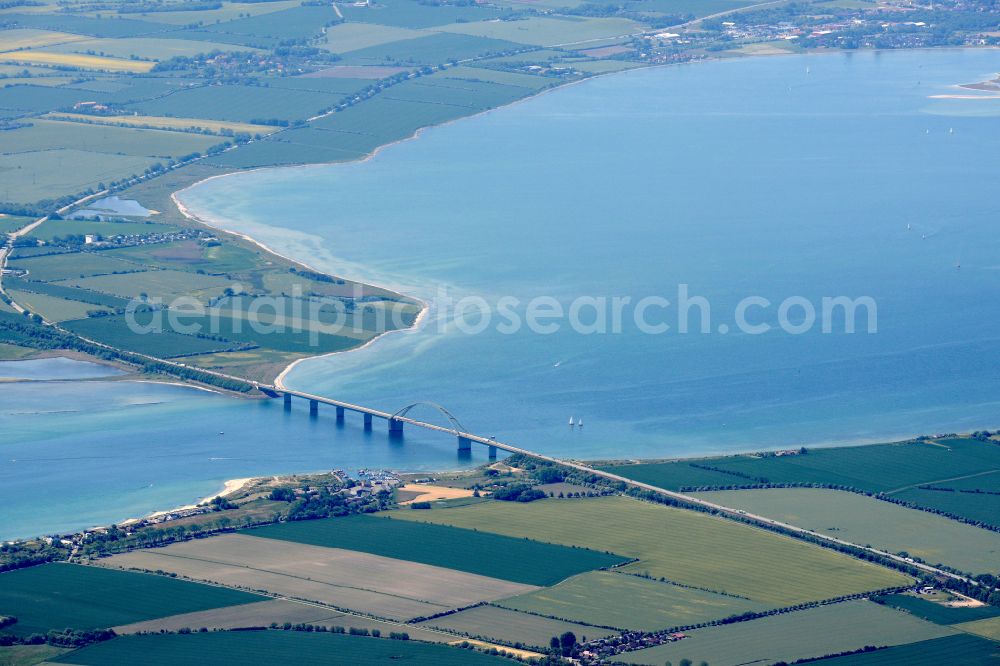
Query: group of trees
{"type": "Point", "coordinates": [564, 645]}
{"type": "Point", "coordinates": [67, 638]}
{"type": "Point", "coordinates": [20, 555]}
{"type": "Point", "coordinates": [327, 502]}
{"type": "Point", "coordinates": [518, 492]}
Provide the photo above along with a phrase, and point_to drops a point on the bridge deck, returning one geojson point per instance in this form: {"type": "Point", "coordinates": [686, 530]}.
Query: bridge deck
{"type": "Point", "coordinates": [404, 419]}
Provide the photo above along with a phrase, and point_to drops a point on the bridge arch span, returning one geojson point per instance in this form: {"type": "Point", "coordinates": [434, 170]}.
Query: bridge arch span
{"type": "Point", "coordinates": [455, 424]}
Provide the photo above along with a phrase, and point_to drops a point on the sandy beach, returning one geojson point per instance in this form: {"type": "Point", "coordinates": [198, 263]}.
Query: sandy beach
{"type": "Point", "coordinates": [230, 487]}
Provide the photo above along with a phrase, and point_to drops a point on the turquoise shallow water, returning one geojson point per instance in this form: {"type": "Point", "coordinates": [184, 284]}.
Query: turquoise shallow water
{"type": "Point", "coordinates": [54, 368]}
{"type": "Point", "coordinates": [756, 177]}
{"type": "Point", "coordinates": [775, 177]}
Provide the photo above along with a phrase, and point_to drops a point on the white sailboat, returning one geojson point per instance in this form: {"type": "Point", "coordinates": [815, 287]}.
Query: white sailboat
{"type": "Point", "coordinates": [580, 422]}
{"type": "Point", "coordinates": [571, 422]}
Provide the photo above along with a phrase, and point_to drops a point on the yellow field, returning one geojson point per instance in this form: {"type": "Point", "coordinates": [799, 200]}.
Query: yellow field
{"type": "Point", "coordinates": [77, 60]}
{"type": "Point", "coordinates": [682, 546]}
{"type": "Point", "coordinates": [163, 122]}
{"type": "Point", "coordinates": [27, 38]}
{"type": "Point", "coordinates": [429, 493]}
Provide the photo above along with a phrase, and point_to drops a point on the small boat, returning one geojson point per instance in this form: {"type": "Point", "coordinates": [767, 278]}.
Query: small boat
{"type": "Point", "coordinates": [580, 423]}
{"type": "Point", "coordinates": [951, 130]}
{"type": "Point", "coordinates": [908, 227]}
{"type": "Point", "coordinates": [571, 422]}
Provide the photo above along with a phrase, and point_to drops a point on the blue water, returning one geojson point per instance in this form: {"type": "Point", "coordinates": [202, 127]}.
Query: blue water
{"type": "Point", "coordinates": [755, 177]}
{"type": "Point", "coordinates": [83, 454]}
{"type": "Point", "coordinates": [741, 178]}
{"type": "Point", "coordinates": [55, 368]}
{"type": "Point", "coordinates": [113, 206]}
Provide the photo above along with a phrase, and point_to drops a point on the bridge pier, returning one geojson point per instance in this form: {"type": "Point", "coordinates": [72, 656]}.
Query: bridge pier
{"type": "Point", "coordinates": [340, 414]}
{"type": "Point", "coordinates": [493, 453]}
{"type": "Point", "coordinates": [288, 401]}
{"type": "Point", "coordinates": [464, 443]}
{"type": "Point", "coordinates": [313, 408]}
{"type": "Point", "coordinates": [395, 427]}
{"type": "Point", "coordinates": [368, 421]}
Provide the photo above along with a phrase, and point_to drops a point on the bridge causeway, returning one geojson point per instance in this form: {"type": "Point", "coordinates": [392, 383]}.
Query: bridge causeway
{"type": "Point", "coordinates": [466, 439]}
{"type": "Point", "coordinates": [394, 421]}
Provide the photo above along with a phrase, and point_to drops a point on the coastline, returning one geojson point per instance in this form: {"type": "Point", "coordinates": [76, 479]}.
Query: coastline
{"type": "Point", "coordinates": [230, 487]}
{"type": "Point", "coordinates": [424, 306]}
{"type": "Point", "coordinates": [187, 213]}
{"type": "Point", "coordinates": [279, 379]}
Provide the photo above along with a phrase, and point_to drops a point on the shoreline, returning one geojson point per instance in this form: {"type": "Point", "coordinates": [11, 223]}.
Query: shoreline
{"type": "Point", "coordinates": [279, 379]}
{"type": "Point", "coordinates": [425, 307]}
{"type": "Point", "coordinates": [187, 213]}
{"type": "Point", "coordinates": [229, 487]}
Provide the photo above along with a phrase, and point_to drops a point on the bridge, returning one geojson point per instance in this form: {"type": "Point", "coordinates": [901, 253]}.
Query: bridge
{"type": "Point", "coordinates": [396, 420]}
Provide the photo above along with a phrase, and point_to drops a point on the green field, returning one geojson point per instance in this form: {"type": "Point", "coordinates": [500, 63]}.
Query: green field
{"type": "Point", "coordinates": [114, 331]}
{"type": "Point", "coordinates": [677, 475]}
{"type": "Point", "coordinates": [33, 176]}
{"type": "Point", "coordinates": [166, 284]}
{"type": "Point", "coordinates": [685, 7]}
{"type": "Point", "coordinates": [988, 628]}
{"type": "Point", "coordinates": [472, 94]}
{"type": "Point", "coordinates": [189, 255]}
{"type": "Point", "coordinates": [865, 520]}
{"type": "Point", "coordinates": [713, 553]}
{"type": "Point", "coordinates": [408, 14]}
{"type": "Point", "coordinates": [814, 632]}
{"type": "Point", "coordinates": [878, 468]}
{"type": "Point", "coordinates": [467, 73]}
{"type": "Point", "coordinates": [430, 49]}
{"type": "Point", "coordinates": [284, 337]}
{"type": "Point", "coordinates": [973, 506]}
{"type": "Point", "coordinates": [937, 612]}
{"type": "Point", "coordinates": [10, 352]}
{"type": "Point", "coordinates": [73, 265]}
{"type": "Point", "coordinates": [548, 31]}
{"type": "Point", "coordinates": [57, 596]}
{"type": "Point", "coordinates": [960, 650]}
{"type": "Point", "coordinates": [242, 103]}
{"type": "Point", "coordinates": [227, 12]}
{"type": "Point", "coordinates": [10, 223]}
{"type": "Point", "coordinates": [28, 655]}
{"type": "Point", "coordinates": [353, 36]}
{"type": "Point", "coordinates": [39, 99]}
{"type": "Point", "coordinates": [68, 293]}
{"type": "Point", "coordinates": [148, 48]}
{"type": "Point", "coordinates": [976, 497]}
{"type": "Point", "coordinates": [247, 648]}
{"type": "Point", "coordinates": [517, 560]}
{"type": "Point", "coordinates": [53, 308]}
{"type": "Point", "coordinates": [629, 602]}
{"type": "Point", "coordinates": [499, 624]}
{"type": "Point", "coordinates": [358, 130]}
{"type": "Point", "coordinates": [101, 139]}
